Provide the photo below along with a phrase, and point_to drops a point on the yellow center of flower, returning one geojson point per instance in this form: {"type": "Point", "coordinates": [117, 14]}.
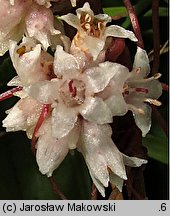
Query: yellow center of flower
{"type": "Point", "coordinates": [93, 26]}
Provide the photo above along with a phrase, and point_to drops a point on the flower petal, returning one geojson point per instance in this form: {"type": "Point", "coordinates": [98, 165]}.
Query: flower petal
{"type": "Point", "coordinates": [116, 180]}
{"type": "Point", "coordinates": [64, 63]}
{"type": "Point", "coordinates": [72, 20]}
{"type": "Point", "coordinates": [30, 65]}
{"type": "Point", "coordinates": [133, 161]}
{"type": "Point", "coordinates": [40, 24]}
{"type": "Point", "coordinates": [50, 151]}
{"type": "Point", "coordinates": [91, 45]}
{"type": "Point", "coordinates": [45, 92]}
{"type": "Point", "coordinates": [85, 9]}
{"type": "Point", "coordinates": [16, 81]}
{"type": "Point", "coordinates": [117, 31]}
{"type": "Point", "coordinates": [89, 146]}
{"type": "Point", "coordinates": [94, 109]}
{"type": "Point", "coordinates": [143, 121]}
{"type": "Point", "coordinates": [153, 87]}
{"type": "Point", "coordinates": [63, 120]}
{"type": "Point", "coordinates": [24, 114]}
{"type": "Point", "coordinates": [141, 61]}
{"type": "Point", "coordinates": [99, 77]}
{"type": "Point", "coordinates": [117, 104]}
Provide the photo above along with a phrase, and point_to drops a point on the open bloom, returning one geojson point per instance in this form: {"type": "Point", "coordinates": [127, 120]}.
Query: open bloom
{"type": "Point", "coordinates": [140, 90]}
{"type": "Point", "coordinates": [74, 92]}
{"type": "Point", "coordinates": [51, 151]}
{"type": "Point", "coordinates": [105, 162]}
{"type": "Point", "coordinates": [11, 25]}
{"type": "Point", "coordinates": [30, 62]}
{"type": "Point", "coordinates": [25, 17]}
{"type": "Point", "coordinates": [92, 30]}
{"type": "Point", "coordinates": [32, 65]}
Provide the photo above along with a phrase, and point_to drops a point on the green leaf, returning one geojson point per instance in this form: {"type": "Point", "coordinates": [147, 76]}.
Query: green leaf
{"type": "Point", "coordinates": [157, 144]}
{"type": "Point", "coordinates": [163, 12]}
{"type": "Point", "coordinates": [115, 11]}
{"type": "Point", "coordinates": [23, 180]}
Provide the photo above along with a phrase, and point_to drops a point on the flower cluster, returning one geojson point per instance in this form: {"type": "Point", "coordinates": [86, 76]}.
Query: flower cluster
{"type": "Point", "coordinates": [82, 90]}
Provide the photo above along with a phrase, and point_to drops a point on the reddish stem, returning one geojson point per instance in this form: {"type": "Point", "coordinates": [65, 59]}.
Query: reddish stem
{"type": "Point", "coordinates": [165, 87]}
{"type": "Point", "coordinates": [44, 113]}
{"type": "Point", "coordinates": [94, 192]}
{"type": "Point", "coordinates": [9, 93]}
{"type": "Point", "coordinates": [56, 189]}
{"type": "Point", "coordinates": [135, 23]}
{"type": "Point", "coordinates": [156, 37]}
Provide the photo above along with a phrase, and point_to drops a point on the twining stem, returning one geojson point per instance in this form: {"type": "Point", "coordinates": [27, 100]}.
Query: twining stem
{"type": "Point", "coordinates": [156, 37]}
{"type": "Point", "coordinates": [9, 93]}
{"type": "Point", "coordinates": [56, 189]}
{"type": "Point", "coordinates": [44, 113]}
{"type": "Point", "coordinates": [94, 192]}
{"type": "Point", "coordinates": [135, 23]}
{"type": "Point", "coordinates": [165, 87]}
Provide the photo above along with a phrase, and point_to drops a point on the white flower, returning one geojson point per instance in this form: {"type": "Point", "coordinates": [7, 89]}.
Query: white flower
{"type": "Point", "coordinates": [51, 151]}
{"type": "Point", "coordinates": [92, 30]}
{"type": "Point", "coordinates": [140, 90]}
{"type": "Point", "coordinates": [11, 25]}
{"type": "Point", "coordinates": [23, 116]}
{"type": "Point", "coordinates": [105, 162]}
{"type": "Point", "coordinates": [25, 17]}
{"type": "Point", "coordinates": [43, 2]}
{"type": "Point", "coordinates": [74, 92]}
{"type": "Point", "coordinates": [32, 65]}
{"type": "Point", "coordinates": [30, 62]}
{"type": "Point", "coordinates": [39, 24]}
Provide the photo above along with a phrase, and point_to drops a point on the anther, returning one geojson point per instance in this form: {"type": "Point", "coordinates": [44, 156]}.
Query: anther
{"type": "Point", "coordinates": [153, 101]}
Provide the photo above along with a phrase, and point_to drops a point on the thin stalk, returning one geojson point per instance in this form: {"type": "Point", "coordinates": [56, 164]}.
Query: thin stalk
{"type": "Point", "coordinates": [134, 21]}
{"type": "Point", "coordinates": [44, 113]}
{"type": "Point", "coordinates": [156, 36]}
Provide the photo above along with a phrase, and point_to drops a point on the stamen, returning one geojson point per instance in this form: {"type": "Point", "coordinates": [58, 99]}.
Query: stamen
{"type": "Point", "coordinates": [153, 101]}
{"type": "Point", "coordinates": [87, 26]}
{"type": "Point", "coordinates": [9, 93]}
{"type": "Point", "coordinates": [44, 113]}
{"type": "Point", "coordinates": [136, 110]}
{"type": "Point", "coordinates": [21, 50]}
{"type": "Point", "coordinates": [72, 88]}
{"type": "Point", "coordinates": [143, 90]}
{"type": "Point", "coordinates": [100, 26]}
{"type": "Point", "coordinates": [70, 85]}
{"type": "Point", "coordinates": [87, 18]}
{"type": "Point", "coordinates": [157, 75]}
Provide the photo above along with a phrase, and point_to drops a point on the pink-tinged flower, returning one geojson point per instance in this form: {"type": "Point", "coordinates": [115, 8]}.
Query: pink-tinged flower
{"type": "Point", "coordinates": [25, 17]}
{"type": "Point", "coordinates": [140, 90]}
{"type": "Point", "coordinates": [30, 62]}
{"type": "Point", "coordinates": [51, 151]}
{"type": "Point", "coordinates": [105, 162]}
{"type": "Point", "coordinates": [39, 24]}
{"type": "Point", "coordinates": [23, 116]}
{"type": "Point", "coordinates": [92, 30]}
{"type": "Point", "coordinates": [46, 3]}
{"type": "Point", "coordinates": [32, 65]}
{"type": "Point", "coordinates": [74, 92]}
{"type": "Point", "coordinates": [11, 24]}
